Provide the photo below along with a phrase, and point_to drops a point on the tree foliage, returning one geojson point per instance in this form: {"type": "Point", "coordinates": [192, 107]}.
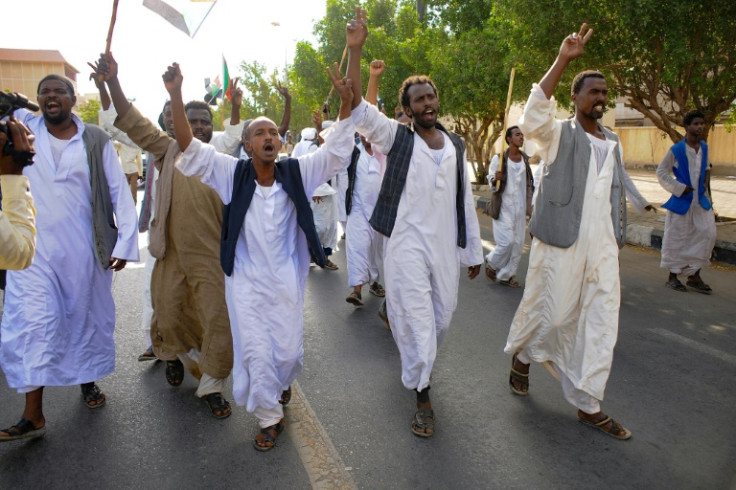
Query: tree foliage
{"type": "Point", "coordinates": [89, 111]}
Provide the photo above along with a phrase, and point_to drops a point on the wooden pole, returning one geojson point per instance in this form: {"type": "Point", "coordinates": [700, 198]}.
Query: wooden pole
{"type": "Point", "coordinates": [339, 69]}
{"type": "Point", "coordinates": [110, 29]}
{"type": "Point", "coordinates": [505, 124]}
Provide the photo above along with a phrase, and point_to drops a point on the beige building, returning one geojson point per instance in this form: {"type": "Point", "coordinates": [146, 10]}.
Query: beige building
{"type": "Point", "coordinates": [22, 69]}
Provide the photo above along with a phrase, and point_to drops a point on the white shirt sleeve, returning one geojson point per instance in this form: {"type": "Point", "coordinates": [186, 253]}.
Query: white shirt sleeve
{"type": "Point", "coordinates": [214, 168]}
{"type": "Point", "coordinates": [375, 126]}
{"type": "Point", "coordinates": [334, 155]}
{"type": "Point", "coordinates": [227, 141]}
{"type": "Point", "coordinates": [538, 123]}
{"type": "Point", "coordinates": [107, 122]}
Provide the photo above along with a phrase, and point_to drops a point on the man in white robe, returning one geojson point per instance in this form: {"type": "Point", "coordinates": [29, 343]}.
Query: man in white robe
{"type": "Point", "coordinates": [434, 231]}
{"type": "Point", "coordinates": [690, 227]}
{"type": "Point", "coordinates": [270, 261]}
{"type": "Point", "coordinates": [568, 316]}
{"type": "Point", "coordinates": [509, 227]}
{"type": "Point", "coordinates": [364, 245]}
{"type": "Point", "coordinates": [59, 318]}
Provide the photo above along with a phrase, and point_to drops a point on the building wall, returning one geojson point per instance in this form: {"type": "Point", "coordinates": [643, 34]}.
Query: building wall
{"type": "Point", "coordinates": [23, 77]}
{"type": "Point", "coordinates": [644, 147]}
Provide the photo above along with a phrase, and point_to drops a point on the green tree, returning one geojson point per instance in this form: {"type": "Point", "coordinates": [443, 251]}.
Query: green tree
{"type": "Point", "coordinates": [666, 56]}
{"type": "Point", "coordinates": [89, 111]}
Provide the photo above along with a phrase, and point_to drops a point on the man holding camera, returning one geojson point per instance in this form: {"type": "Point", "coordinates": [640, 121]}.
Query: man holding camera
{"type": "Point", "coordinates": [59, 319]}
{"type": "Point", "coordinates": [18, 217]}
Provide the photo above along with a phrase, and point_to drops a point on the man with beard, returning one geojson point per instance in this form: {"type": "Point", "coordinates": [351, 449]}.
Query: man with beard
{"type": "Point", "coordinates": [190, 321]}
{"type": "Point", "coordinates": [425, 209]}
{"type": "Point", "coordinates": [568, 316]}
{"type": "Point", "coordinates": [59, 319]}
{"type": "Point", "coordinates": [690, 226]}
{"type": "Point", "coordinates": [268, 236]}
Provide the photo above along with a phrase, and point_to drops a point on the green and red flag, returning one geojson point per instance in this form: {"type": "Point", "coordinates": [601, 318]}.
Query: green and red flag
{"type": "Point", "coordinates": [226, 77]}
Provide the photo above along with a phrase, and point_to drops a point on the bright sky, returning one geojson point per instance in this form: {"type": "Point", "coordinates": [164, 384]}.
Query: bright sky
{"type": "Point", "coordinates": [144, 44]}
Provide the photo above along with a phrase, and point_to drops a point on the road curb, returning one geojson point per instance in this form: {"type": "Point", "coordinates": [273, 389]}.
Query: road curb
{"type": "Point", "coordinates": [648, 236]}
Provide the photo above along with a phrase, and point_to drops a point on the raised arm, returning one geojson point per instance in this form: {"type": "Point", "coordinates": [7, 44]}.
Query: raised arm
{"type": "Point", "coordinates": [286, 118]}
{"type": "Point", "coordinates": [172, 81]}
{"type": "Point", "coordinates": [571, 48]}
{"type": "Point", "coordinates": [107, 68]}
{"type": "Point", "coordinates": [236, 100]}
{"type": "Point", "coordinates": [377, 69]}
{"type": "Point", "coordinates": [356, 33]}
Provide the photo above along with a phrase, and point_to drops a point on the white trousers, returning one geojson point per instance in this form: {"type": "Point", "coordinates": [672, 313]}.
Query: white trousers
{"type": "Point", "coordinates": [269, 416]}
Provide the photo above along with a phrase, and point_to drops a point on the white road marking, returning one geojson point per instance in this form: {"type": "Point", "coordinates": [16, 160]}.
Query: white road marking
{"type": "Point", "coordinates": [729, 358]}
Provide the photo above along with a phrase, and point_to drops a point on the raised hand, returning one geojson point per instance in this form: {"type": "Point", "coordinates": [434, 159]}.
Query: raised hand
{"type": "Point", "coordinates": [173, 79]}
{"type": "Point", "coordinates": [105, 69]}
{"type": "Point", "coordinates": [377, 68]}
{"type": "Point", "coordinates": [283, 90]}
{"type": "Point", "coordinates": [343, 86]}
{"type": "Point", "coordinates": [574, 44]}
{"type": "Point", "coordinates": [357, 29]}
{"type": "Point", "coordinates": [236, 93]}
{"type": "Point", "coordinates": [317, 119]}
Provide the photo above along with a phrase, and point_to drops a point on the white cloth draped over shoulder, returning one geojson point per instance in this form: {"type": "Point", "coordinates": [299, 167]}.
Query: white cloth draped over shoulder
{"type": "Point", "coordinates": [421, 258]}
{"type": "Point", "coordinates": [265, 294]}
{"type": "Point", "coordinates": [59, 318]}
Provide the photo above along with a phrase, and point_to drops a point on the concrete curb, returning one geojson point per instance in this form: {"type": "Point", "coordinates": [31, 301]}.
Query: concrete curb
{"type": "Point", "coordinates": [649, 236]}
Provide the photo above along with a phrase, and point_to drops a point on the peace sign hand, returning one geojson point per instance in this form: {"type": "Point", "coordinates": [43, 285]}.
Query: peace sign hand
{"type": "Point", "coordinates": [574, 44]}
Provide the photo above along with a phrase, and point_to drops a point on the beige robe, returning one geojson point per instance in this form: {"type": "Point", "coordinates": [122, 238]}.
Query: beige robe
{"type": "Point", "coordinates": [188, 285]}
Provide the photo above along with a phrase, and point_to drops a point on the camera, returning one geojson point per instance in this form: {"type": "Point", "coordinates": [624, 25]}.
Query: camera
{"type": "Point", "coordinates": [9, 102]}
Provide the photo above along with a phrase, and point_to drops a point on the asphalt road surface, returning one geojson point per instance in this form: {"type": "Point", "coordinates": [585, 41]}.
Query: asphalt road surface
{"type": "Point", "coordinates": [672, 384]}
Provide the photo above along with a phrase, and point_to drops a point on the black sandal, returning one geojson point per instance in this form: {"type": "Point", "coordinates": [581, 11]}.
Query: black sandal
{"type": "Point", "coordinates": [93, 397]}
{"type": "Point", "coordinates": [219, 407]}
{"type": "Point", "coordinates": [269, 437]}
{"type": "Point", "coordinates": [174, 372]}
{"type": "Point", "coordinates": [698, 285]}
{"type": "Point", "coordinates": [285, 396]}
{"type": "Point", "coordinates": [22, 430]}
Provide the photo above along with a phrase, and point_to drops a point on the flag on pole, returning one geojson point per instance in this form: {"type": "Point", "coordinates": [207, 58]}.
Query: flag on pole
{"type": "Point", "coordinates": [214, 90]}
{"type": "Point", "coordinates": [226, 77]}
{"type": "Point", "coordinates": [185, 15]}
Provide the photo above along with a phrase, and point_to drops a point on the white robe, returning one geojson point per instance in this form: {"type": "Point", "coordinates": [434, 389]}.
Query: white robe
{"type": "Point", "coordinates": [421, 258]}
{"type": "Point", "coordinates": [569, 312]}
{"type": "Point", "coordinates": [325, 215]}
{"type": "Point", "coordinates": [265, 293]}
{"type": "Point", "coordinates": [364, 244]}
{"type": "Point", "coordinates": [688, 238]}
{"type": "Point", "coordinates": [508, 229]}
{"type": "Point", "coordinates": [57, 327]}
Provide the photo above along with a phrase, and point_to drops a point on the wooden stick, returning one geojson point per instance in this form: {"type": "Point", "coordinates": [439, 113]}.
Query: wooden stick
{"type": "Point", "coordinates": [344, 54]}
{"type": "Point", "coordinates": [505, 124]}
{"type": "Point", "coordinates": [109, 31]}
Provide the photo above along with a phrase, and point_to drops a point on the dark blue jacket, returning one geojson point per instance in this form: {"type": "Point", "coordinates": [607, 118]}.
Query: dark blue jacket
{"type": "Point", "coordinates": [287, 173]}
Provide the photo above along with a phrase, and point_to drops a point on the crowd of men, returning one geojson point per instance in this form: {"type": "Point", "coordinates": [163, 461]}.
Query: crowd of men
{"type": "Point", "coordinates": [233, 230]}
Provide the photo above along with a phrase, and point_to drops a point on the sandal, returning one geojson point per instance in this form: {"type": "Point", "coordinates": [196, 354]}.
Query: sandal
{"type": "Point", "coordinates": [521, 379]}
{"type": "Point", "coordinates": [355, 299]}
{"type": "Point", "coordinates": [174, 372]}
{"type": "Point", "coordinates": [285, 396]}
{"type": "Point", "coordinates": [698, 285]}
{"type": "Point", "coordinates": [22, 430]}
{"type": "Point", "coordinates": [377, 290]}
{"type": "Point", "coordinates": [676, 285]}
{"type": "Point", "coordinates": [510, 283]}
{"type": "Point", "coordinates": [266, 438]}
{"type": "Point", "coordinates": [93, 397]}
{"type": "Point", "coordinates": [608, 426]}
{"type": "Point", "coordinates": [331, 265]}
{"type": "Point", "coordinates": [219, 407]}
{"type": "Point", "coordinates": [490, 271]}
{"type": "Point", "coordinates": [422, 424]}
{"type": "Point", "coordinates": [148, 355]}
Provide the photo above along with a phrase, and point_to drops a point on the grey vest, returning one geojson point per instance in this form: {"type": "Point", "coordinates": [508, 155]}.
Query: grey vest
{"type": "Point", "coordinates": [559, 206]}
{"type": "Point", "coordinates": [103, 222]}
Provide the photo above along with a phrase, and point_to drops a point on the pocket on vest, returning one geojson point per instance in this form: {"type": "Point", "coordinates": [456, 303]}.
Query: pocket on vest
{"type": "Point", "coordinates": [560, 198]}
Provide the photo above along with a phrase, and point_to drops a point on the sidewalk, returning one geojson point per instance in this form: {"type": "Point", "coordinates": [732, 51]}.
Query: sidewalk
{"type": "Point", "coordinates": [646, 230]}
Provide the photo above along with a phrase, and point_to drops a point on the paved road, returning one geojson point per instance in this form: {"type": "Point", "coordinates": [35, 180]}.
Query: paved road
{"type": "Point", "coordinates": [671, 384]}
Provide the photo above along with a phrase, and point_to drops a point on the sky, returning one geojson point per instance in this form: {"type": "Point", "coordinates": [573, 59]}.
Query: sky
{"type": "Point", "coordinates": [144, 44]}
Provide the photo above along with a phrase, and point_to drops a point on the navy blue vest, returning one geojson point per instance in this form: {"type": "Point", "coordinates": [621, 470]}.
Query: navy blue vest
{"type": "Point", "coordinates": [287, 173]}
{"type": "Point", "coordinates": [352, 171]}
